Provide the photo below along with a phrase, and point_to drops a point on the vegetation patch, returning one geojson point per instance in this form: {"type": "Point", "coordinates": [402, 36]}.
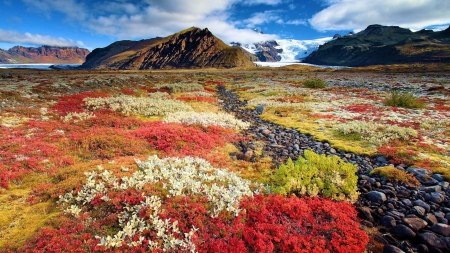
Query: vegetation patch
{"type": "Point", "coordinates": [395, 174]}
{"type": "Point", "coordinates": [315, 83]}
{"type": "Point", "coordinates": [405, 100]}
{"type": "Point", "coordinates": [316, 175]}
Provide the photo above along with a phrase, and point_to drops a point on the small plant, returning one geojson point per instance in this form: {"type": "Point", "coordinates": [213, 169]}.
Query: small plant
{"type": "Point", "coordinates": [315, 83]}
{"type": "Point", "coordinates": [316, 175]}
{"type": "Point", "coordinates": [395, 174]}
{"type": "Point", "coordinates": [405, 100]}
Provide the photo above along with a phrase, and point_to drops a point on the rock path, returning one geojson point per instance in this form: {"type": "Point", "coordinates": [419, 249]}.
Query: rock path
{"type": "Point", "coordinates": [409, 219]}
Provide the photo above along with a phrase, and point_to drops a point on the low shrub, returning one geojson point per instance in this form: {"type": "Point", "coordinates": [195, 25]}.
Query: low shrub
{"type": "Point", "coordinates": [75, 103]}
{"type": "Point", "coordinates": [394, 174]}
{"type": "Point", "coordinates": [104, 143]}
{"type": "Point", "coordinates": [376, 133]}
{"type": "Point", "coordinates": [315, 83]}
{"type": "Point", "coordinates": [207, 119]}
{"type": "Point", "coordinates": [182, 87]}
{"type": "Point", "coordinates": [130, 105]}
{"type": "Point", "coordinates": [180, 140]}
{"type": "Point", "coordinates": [405, 100]}
{"type": "Point", "coordinates": [316, 175]}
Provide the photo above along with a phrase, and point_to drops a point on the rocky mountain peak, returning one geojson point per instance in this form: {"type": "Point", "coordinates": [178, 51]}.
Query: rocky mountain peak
{"type": "Point", "coordinates": [190, 48]}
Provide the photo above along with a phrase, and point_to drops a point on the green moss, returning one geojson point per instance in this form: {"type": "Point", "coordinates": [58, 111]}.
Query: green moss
{"type": "Point", "coordinates": [395, 174]}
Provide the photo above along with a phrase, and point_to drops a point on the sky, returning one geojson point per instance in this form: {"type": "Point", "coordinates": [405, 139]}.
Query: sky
{"type": "Point", "coordinates": [97, 23]}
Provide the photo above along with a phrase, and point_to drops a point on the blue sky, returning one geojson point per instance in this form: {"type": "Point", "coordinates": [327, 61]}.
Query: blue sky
{"type": "Point", "coordinates": [98, 23]}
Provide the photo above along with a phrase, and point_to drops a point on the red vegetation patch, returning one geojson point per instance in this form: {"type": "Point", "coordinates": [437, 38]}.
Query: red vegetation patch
{"type": "Point", "coordinates": [272, 224]}
{"type": "Point", "coordinates": [70, 236]}
{"type": "Point", "coordinates": [30, 148]}
{"type": "Point", "coordinates": [127, 91]}
{"type": "Point", "coordinates": [74, 103]}
{"type": "Point", "coordinates": [180, 140]}
{"type": "Point", "coordinates": [215, 82]}
{"type": "Point", "coordinates": [361, 108]}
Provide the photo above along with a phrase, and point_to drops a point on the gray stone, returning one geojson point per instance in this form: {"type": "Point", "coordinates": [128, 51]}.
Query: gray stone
{"type": "Point", "coordinates": [442, 229]}
{"type": "Point", "coordinates": [260, 109]}
{"type": "Point", "coordinates": [407, 202]}
{"type": "Point", "coordinates": [376, 197]}
{"type": "Point", "coordinates": [437, 197]}
{"type": "Point", "coordinates": [423, 175]}
{"type": "Point", "coordinates": [418, 210]}
{"type": "Point", "coordinates": [422, 248]}
{"type": "Point", "coordinates": [431, 219]}
{"type": "Point", "coordinates": [422, 204]}
{"type": "Point", "coordinates": [432, 240]}
{"type": "Point", "coordinates": [391, 249]}
{"type": "Point", "coordinates": [415, 224]}
{"type": "Point", "coordinates": [388, 221]}
{"type": "Point", "coordinates": [266, 132]}
{"type": "Point", "coordinates": [434, 188]}
{"type": "Point", "coordinates": [402, 232]}
{"type": "Point", "coordinates": [438, 177]}
{"type": "Point", "coordinates": [444, 185]}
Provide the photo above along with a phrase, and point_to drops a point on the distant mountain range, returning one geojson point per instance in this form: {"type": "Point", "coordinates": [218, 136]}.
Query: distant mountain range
{"type": "Point", "coordinates": [191, 48]}
{"type": "Point", "coordinates": [378, 45]}
{"type": "Point", "coordinates": [199, 48]}
{"type": "Point", "coordinates": [43, 54]}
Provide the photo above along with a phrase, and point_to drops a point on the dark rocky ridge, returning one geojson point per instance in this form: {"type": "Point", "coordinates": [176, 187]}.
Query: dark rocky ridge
{"type": "Point", "coordinates": [379, 44]}
{"type": "Point", "coordinates": [409, 219]}
{"type": "Point", "coordinates": [191, 48]}
{"type": "Point", "coordinates": [43, 54]}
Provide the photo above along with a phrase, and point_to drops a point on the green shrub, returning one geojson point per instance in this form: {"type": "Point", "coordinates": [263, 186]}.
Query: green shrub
{"type": "Point", "coordinates": [315, 83]}
{"type": "Point", "coordinates": [316, 175]}
{"type": "Point", "coordinates": [405, 100]}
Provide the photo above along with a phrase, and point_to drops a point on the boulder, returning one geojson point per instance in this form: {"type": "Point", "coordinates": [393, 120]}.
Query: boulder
{"type": "Point", "coordinates": [376, 197]}
{"type": "Point", "coordinates": [432, 240]}
{"type": "Point", "coordinates": [391, 249]}
{"type": "Point", "coordinates": [402, 232]}
{"type": "Point", "coordinates": [441, 229]}
{"type": "Point", "coordinates": [415, 224]}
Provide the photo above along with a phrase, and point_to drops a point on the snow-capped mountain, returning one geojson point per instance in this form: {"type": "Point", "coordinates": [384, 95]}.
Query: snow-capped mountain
{"type": "Point", "coordinates": [286, 50]}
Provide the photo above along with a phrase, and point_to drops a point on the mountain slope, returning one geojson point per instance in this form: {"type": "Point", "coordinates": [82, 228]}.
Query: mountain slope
{"type": "Point", "coordinates": [43, 54]}
{"type": "Point", "coordinates": [191, 48]}
{"type": "Point", "coordinates": [384, 45]}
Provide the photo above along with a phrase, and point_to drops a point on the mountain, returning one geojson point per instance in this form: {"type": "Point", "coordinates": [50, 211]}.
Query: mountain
{"type": "Point", "coordinates": [191, 48]}
{"type": "Point", "coordinates": [379, 44]}
{"type": "Point", "coordinates": [43, 54]}
{"type": "Point", "coordinates": [286, 50]}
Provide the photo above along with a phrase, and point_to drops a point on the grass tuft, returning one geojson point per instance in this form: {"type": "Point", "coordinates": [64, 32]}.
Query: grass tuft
{"type": "Point", "coordinates": [405, 100]}
{"type": "Point", "coordinates": [315, 83]}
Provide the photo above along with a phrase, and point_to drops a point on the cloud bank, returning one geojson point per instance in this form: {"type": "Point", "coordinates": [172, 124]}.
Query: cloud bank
{"type": "Point", "coordinates": [151, 18]}
{"type": "Point", "coordinates": [358, 14]}
{"type": "Point", "coordinates": [36, 39]}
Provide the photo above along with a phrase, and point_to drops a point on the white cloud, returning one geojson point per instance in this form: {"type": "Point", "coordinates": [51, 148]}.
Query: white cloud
{"type": "Point", "coordinates": [35, 39]}
{"type": "Point", "coordinates": [266, 2]}
{"type": "Point", "coordinates": [150, 18]}
{"type": "Point", "coordinates": [296, 22]}
{"type": "Point", "coordinates": [261, 18]}
{"type": "Point", "coordinates": [358, 14]}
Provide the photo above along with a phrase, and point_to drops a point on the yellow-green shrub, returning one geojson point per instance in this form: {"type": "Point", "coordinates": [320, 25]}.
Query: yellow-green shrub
{"type": "Point", "coordinates": [315, 83]}
{"type": "Point", "coordinates": [316, 175]}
